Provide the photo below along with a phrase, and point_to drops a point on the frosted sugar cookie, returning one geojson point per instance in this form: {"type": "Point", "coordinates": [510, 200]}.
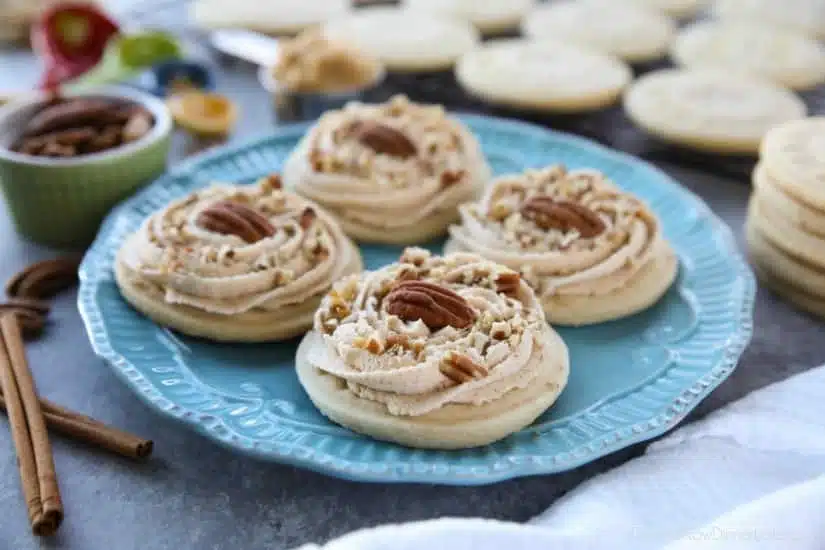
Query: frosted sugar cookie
{"type": "Point", "coordinates": [710, 110]}
{"type": "Point", "coordinates": [591, 252]}
{"type": "Point", "coordinates": [235, 263]}
{"type": "Point", "coordinates": [543, 75]}
{"type": "Point", "coordinates": [489, 16]}
{"type": "Point", "coordinates": [794, 154]}
{"type": "Point", "coordinates": [405, 40]}
{"type": "Point", "coordinates": [433, 352]}
{"type": "Point", "coordinates": [680, 9]}
{"type": "Point", "coordinates": [807, 16]}
{"type": "Point", "coordinates": [282, 17]}
{"type": "Point", "coordinates": [622, 29]}
{"type": "Point", "coordinates": [391, 173]}
{"type": "Point", "coordinates": [784, 56]}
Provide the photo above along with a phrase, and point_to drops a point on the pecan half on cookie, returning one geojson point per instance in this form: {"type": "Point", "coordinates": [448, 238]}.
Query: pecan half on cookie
{"type": "Point", "coordinates": [384, 139]}
{"type": "Point", "coordinates": [549, 213]}
{"type": "Point", "coordinates": [234, 218]}
{"type": "Point", "coordinates": [437, 306]}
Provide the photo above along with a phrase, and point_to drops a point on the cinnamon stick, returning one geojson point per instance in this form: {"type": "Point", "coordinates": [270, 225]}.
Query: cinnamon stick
{"type": "Point", "coordinates": [88, 430]}
{"type": "Point", "coordinates": [107, 437]}
{"type": "Point", "coordinates": [50, 501]}
{"type": "Point", "coordinates": [22, 440]}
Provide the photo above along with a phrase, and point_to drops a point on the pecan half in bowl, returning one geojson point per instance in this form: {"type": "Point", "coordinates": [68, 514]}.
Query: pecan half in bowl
{"type": "Point", "coordinates": [91, 157]}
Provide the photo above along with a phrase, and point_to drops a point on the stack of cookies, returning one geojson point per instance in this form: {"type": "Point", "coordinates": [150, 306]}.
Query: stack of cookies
{"type": "Point", "coordinates": [786, 218]}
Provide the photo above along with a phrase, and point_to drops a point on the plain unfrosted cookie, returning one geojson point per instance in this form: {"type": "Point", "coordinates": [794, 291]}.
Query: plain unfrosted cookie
{"type": "Point", "coordinates": [801, 284]}
{"type": "Point", "coordinates": [785, 235]}
{"type": "Point", "coordinates": [543, 75]}
{"type": "Point", "coordinates": [807, 16]}
{"type": "Point", "coordinates": [772, 196]}
{"type": "Point", "coordinates": [282, 17]}
{"type": "Point", "coordinates": [406, 40]}
{"type": "Point", "coordinates": [629, 32]}
{"type": "Point", "coordinates": [433, 352]}
{"type": "Point", "coordinates": [805, 301]}
{"type": "Point", "coordinates": [680, 9]}
{"type": "Point", "coordinates": [489, 16]}
{"type": "Point", "coordinates": [784, 56]}
{"type": "Point", "coordinates": [794, 154]}
{"type": "Point", "coordinates": [710, 110]}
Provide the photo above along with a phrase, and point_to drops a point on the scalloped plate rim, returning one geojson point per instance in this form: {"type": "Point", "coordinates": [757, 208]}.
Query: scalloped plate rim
{"type": "Point", "coordinates": [521, 466]}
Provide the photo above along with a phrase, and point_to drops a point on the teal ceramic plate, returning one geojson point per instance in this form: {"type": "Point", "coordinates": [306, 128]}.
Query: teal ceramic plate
{"type": "Point", "coordinates": [630, 380]}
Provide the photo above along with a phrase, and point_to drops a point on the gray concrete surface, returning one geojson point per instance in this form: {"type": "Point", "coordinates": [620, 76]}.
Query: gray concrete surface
{"type": "Point", "coordinates": [195, 495]}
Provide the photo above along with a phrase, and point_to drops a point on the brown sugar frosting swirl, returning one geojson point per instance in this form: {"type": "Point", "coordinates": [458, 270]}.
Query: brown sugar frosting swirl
{"type": "Point", "coordinates": [570, 233]}
{"type": "Point", "coordinates": [235, 250]}
{"type": "Point", "coordinates": [393, 166]}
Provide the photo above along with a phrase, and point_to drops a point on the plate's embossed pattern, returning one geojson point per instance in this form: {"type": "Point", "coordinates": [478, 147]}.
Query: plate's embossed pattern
{"type": "Point", "coordinates": [631, 379]}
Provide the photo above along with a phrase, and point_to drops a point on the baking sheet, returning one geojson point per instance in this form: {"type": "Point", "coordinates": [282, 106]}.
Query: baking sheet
{"type": "Point", "coordinates": [610, 126]}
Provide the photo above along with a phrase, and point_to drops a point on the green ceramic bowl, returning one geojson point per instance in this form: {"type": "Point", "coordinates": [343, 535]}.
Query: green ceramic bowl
{"type": "Point", "coordinates": [61, 202]}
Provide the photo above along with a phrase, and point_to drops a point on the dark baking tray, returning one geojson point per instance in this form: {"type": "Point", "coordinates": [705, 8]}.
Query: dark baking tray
{"type": "Point", "coordinates": [609, 126]}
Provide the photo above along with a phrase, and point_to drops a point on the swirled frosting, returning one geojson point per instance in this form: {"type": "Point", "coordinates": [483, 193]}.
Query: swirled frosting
{"type": "Point", "coordinates": [378, 190]}
{"type": "Point", "coordinates": [561, 261]}
{"type": "Point", "coordinates": [201, 266]}
{"type": "Point", "coordinates": [400, 362]}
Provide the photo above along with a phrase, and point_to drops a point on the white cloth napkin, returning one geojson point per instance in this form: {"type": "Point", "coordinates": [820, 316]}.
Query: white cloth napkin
{"type": "Point", "coordinates": [751, 475]}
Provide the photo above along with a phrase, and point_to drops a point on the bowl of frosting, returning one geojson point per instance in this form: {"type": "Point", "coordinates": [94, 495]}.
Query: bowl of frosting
{"type": "Point", "coordinates": [313, 74]}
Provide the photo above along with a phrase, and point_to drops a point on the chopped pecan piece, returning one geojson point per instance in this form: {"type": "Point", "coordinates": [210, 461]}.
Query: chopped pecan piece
{"type": "Point", "coordinates": [407, 274]}
{"type": "Point", "coordinates": [307, 217]}
{"type": "Point", "coordinates": [451, 177]}
{"type": "Point", "coordinates": [435, 305]}
{"type": "Point", "coordinates": [415, 256]}
{"type": "Point", "coordinates": [460, 368]}
{"type": "Point", "coordinates": [549, 213]}
{"type": "Point", "coordinates": [500, 330]}
{"type": "Point", "coordinates": [272, 181]}
{"type": "Point", "coordinates": [508, 284]}
{"type": "Point", "coordinates": [370, 344]}
{"type": "Point", "coordinates": [338, 308]}
{"type": "Point", "coordinates": [400, 340]}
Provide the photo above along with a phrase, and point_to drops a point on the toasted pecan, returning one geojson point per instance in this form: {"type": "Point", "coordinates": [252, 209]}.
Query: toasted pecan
{"type": "Point", "coordinates": [384, 139]}
{"type": "Point", "coordinates": [44, 279]}
{"type": "Point", "coordinates": [549, 213]}
{"type": "Point", "coordinates": [435, 305]}
{"type": "Point", "coordinates": [460, 368]}
{"type": "Point", "coordinates": [234, 218]}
